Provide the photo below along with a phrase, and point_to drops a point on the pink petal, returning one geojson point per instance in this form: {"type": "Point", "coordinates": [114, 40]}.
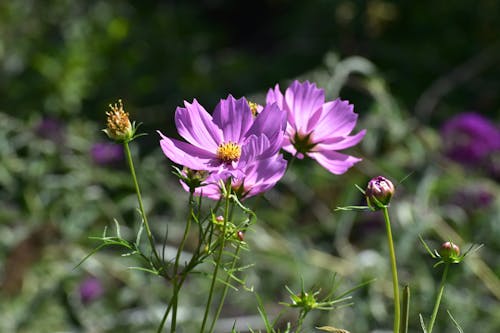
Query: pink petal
{"type": "Point", "coordinates": [186, 154]}
{"type": "Point", "coordinates": [333, 161]}
{"type": "Point", "coordinates": [338, 119]}
{"type": "Point", "coordinates": [303, 100]}
{"type": "Point", "coordinates": [196, 126]}
{"type": "Point", "coordinates": [234, 117]}
{"type": "Point", "coordinates": [339, 143]}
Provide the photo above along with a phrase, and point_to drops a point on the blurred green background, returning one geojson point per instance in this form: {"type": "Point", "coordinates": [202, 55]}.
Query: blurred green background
{"type": "Point", "coordinates": [408, 67]}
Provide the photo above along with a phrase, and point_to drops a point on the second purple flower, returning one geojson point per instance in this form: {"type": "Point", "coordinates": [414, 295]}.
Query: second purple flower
{"type": "Point", "coordinates": [317, 128]}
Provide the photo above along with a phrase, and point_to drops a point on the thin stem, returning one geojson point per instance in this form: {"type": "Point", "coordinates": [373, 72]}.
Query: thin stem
{"type": "Point", "coordinates": [219, 257]}
{"type": "Point", "coordinates": [226, 288]}
{"type": "Point", "coordinates": [395, 284]}
{"type": "Point", "coordinates": [164, 319]}
{"type": "Point", "coordinates": [438, 298]}
{"type": "Point", "coordinates": [405, 313]}
{"type": "Point", "coordinates": [176, 283]}
{"type": "Point", "coordinates": [300, 321]}
{"type": "Point", "coordinates": [139, 199]}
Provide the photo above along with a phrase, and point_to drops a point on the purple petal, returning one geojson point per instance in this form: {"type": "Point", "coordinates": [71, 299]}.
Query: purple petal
{"type": "Point", "coordinates": [339, 143]}
{"type": "Point", "coordinates": [263, 175]}
{"type": "Point", "coordinates": [303, 100]}
{"type": "Point", "coordinates": [338, 119]}
{"type": "Point", "coordinates": [234, 117]}
{"type": "Point", "coordinates": [211, 189]}
{"type": "Point", "coordinates": [186, 154]}
{"type": "Point", "coordinates": [288, 146]}
{"type": "Point", "coordinates": [333, 161]}
{"type": "Point", "coordinates": [271, 122]}
{"type": "Point", "coordinates": [196, 126]}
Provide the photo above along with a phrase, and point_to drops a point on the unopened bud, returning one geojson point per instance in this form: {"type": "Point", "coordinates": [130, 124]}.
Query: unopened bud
{"type": "Point", "coordinates": [379, 192]}
{"type": "Point", "coordinates": [449, 252]}
{"type": "Point", "coordinates": [240, 235]}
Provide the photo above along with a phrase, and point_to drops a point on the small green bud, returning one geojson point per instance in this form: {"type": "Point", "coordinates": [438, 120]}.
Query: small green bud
{"type": "Point", "coordinates": [379, 192]}
{"type": "Point", "coordinates": [450, 252]}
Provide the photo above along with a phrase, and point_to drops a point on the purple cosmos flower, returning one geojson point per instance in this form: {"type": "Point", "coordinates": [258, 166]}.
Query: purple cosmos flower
{"type": "Point", "coordinates": [233, 142]}
{"type": "Point", "coordinates": [90, 289]}
{"type": "Point", "coordinates": [317, 128]}
{"type": "Point", "coordinates": [470, 139]}
{"type": "Point", "coordinates": [105, 153]}
{"type": "Point", "coordinates": [259, 173]}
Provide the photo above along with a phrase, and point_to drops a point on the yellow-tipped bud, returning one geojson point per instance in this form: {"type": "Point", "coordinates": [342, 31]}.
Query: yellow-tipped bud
{"type": "Point", "coordinates": [118, 125]}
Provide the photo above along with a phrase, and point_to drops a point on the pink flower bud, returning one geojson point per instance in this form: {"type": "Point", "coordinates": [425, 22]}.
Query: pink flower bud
{"type": "Point", "coordinates": [379, 192]}
{"type": "Point", "coordinates": [449, 251]}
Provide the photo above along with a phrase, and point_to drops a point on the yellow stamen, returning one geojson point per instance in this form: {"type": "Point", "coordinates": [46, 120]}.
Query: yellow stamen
{"type": "Point", "coordinates": [118, 126]}
{"type": "Point", "coordinates": [228, 152]}
{"type": "Point", "coordinates": [253, 107]}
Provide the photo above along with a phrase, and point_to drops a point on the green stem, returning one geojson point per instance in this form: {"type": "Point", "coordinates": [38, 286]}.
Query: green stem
{"type": "Point", "coordinates": [300, 321]}
{"type": "Point", "coordinates": [395, 284]}
{"type": "Point", "coordinates": [176, 282]}
{"type": "Point", "coordinates": [405, 313]}
{"type": "Point", "coordinates": [139, 199]}
{"type": "Point", "coordinates": [219, 257]}
{"type": "Point", "coordinates": [226, 288]}
{"type": "Point", "coordinates": [438, 298]}
{"type": "Point", "coordinates": [164, 319]}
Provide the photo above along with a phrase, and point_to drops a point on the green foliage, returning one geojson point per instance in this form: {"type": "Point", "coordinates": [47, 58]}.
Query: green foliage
{"type": "Point", "coordinates": [68, 59]}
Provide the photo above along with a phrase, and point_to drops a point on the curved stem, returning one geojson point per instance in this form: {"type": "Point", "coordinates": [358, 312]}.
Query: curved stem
{"type": "Point", "coordinates": [139, 199]}
{"type": "Point", "coordinates": [394, 269]}
{"type": "Point", "coordinates": [219, 257]}
{"type": "Point", "coordinates": [438, 298]}
{"type": "Point", "coordinates": [176, 283]}
{"type": "Point", "coordinates": [226, 288]}
{"type": "Point", "coordinates": [164, 319]}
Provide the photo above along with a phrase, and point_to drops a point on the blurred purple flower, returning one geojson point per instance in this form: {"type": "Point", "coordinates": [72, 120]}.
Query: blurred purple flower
{"type": "Point", "coordinates": [51, 129]}
{"type": "Point", "coordinates": [106, 153]}
{"type": "Point", "coordinates": [473, 198]}
{"type": "Point", "coordinates": [234, 142]}
{"type": "Point", "coordinates": [90, 289]}
{"type": "Point", "coordinates": [317, 128]}
{"type": "Point", "coordinates": [471, 139]}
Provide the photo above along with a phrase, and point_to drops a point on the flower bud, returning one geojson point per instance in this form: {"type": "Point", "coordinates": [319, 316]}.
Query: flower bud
{"type": "Point", "coordinates": [240, 235]}
{"type": "Point", "coordinates": [379, 192]}
{"type": "Point", "coordinates": [118, 125]}
{"type": "Point", "coordinates": [449, 252]}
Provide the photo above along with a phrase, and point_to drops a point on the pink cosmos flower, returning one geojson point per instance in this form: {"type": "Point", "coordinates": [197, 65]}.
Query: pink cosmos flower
{"type": "Point", "coordinates": [259, 174]}
{"type": "Point", "coordinates": [232, 143]}
{"type": "Point", "coordinates": [317, 128]}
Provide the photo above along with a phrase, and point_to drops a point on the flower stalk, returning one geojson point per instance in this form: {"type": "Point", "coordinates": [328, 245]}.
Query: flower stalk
{"type": "Point", "coordinates": [139, 199]}
{"type": "Point", "coordinates": [395, 283]}
{"type": "Point", "coordinates": [218, 260]}
{"type": "Point", "coordinates": [438, 298]}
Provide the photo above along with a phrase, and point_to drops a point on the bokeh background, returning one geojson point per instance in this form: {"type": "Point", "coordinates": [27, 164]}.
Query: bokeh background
{"type": "Point", "coordinates": [424, 78]}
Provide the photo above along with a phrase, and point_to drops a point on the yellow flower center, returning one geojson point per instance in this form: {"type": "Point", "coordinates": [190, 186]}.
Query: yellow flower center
{"type": "Point", "coordinates": [253, 107]}
{"type": "Point", "coordinates": [228, 152]}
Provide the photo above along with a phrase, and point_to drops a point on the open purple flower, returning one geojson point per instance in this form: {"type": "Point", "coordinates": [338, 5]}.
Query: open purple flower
{"type": "Point", "coordinates": [259, 173]}
{"type": "Point", "coordinates": [230, 143]}
{"type": "Point", "coordinates": [317, 128]}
